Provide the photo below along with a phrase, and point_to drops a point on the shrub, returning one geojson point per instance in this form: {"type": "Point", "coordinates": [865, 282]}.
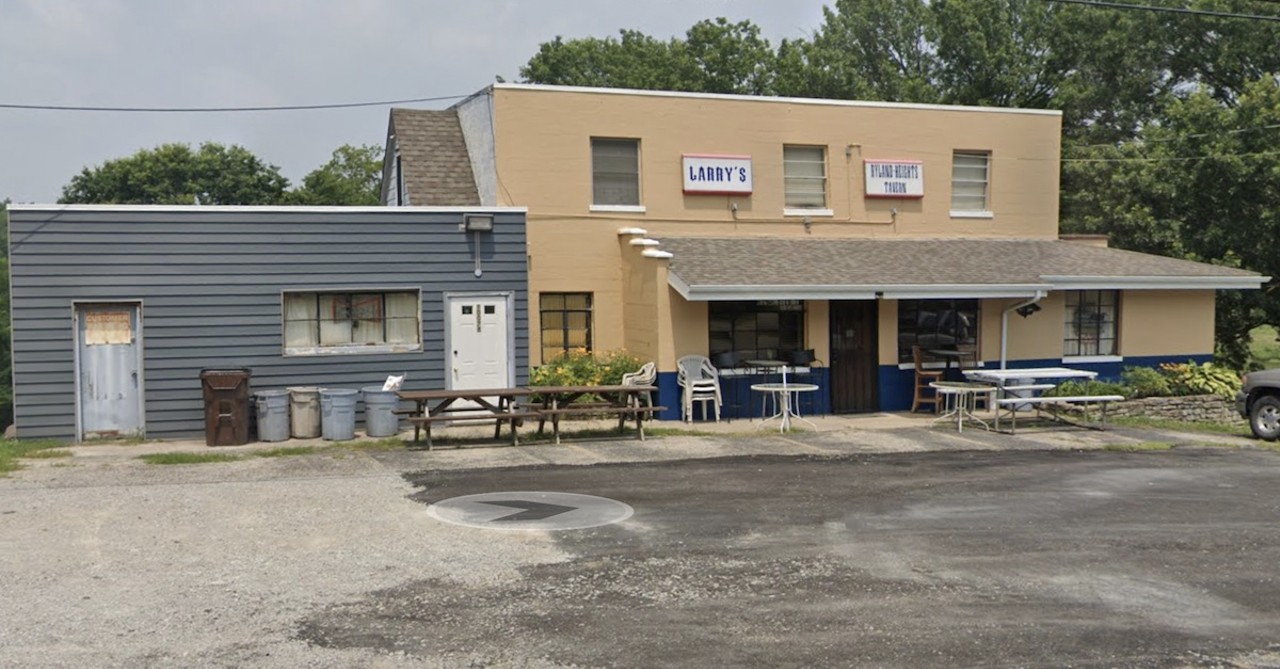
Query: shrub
{"type": "Point", "coordinates": [1087, 387]}
{"type": "Point", "coordinates": [580, 367]}
{"type": "Point", "coordinates": [1189, 378]}
{"type": "Point", "coordinates": [1145, 382]}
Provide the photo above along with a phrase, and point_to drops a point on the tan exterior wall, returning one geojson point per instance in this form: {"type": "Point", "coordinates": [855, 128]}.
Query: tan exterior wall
{"type": "Point", "coordinates": [1166, 322]}
{"type": "Point", "coordinates": [543, 147]}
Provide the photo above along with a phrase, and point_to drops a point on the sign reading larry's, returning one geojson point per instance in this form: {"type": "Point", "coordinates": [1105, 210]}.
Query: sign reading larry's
{"type": "Point", "coordinates": [717, 175]}
{"type": "Point", "coordinates": [895, 178]}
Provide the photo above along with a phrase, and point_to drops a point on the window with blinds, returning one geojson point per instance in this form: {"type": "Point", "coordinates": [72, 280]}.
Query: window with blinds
{"type": "Point", "coordinates": [804, 171]}
{"type": "Point", "coordinates": [615, 171]}
{"type": "Point", "coordinates": [969, 181]}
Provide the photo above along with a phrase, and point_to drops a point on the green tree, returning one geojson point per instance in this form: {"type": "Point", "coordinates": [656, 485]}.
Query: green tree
{"type": "Point", "coordinates": [174, 174]}
{"type": "Point", "coordinates": [352, 177]}
{"type": "Point", "coordinates": [1200, 182]}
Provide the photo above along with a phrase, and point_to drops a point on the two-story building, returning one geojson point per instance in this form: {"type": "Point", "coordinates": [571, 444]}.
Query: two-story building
{"type": "Point", "coordinates": [745, 227]}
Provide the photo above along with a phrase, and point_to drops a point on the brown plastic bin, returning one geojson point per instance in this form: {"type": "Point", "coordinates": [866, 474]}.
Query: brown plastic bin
{"type": "Point", "coordinates": [226, 406]}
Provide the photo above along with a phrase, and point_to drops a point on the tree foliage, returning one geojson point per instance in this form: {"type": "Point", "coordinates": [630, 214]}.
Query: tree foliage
{"type": "Point", "coordinates": [352, 177]}
{"type": "Point", "coordinates": [175, 174]}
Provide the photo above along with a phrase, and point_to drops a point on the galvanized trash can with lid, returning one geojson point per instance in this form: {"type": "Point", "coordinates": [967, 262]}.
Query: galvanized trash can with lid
{"type": "Point", "coordinates": [304, 412]}
{"type": "Point", "coordinates": [380, 419]}
{"type": "Point", "coordinates": [338, 413]}
{"type": "Point", "coordinates": [273, 414]}
{"type": "Point", "coordinates": [226, 406]}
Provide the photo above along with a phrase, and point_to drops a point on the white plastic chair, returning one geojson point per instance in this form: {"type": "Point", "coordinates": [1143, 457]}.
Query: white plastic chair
{"type": "Point", "coordinates": [647, 375]}
{"type": "Point", "coordinates": [700, 382]}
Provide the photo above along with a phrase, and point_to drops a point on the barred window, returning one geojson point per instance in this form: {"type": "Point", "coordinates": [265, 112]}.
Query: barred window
{"type": "Point", "coordinates": [334, 322]}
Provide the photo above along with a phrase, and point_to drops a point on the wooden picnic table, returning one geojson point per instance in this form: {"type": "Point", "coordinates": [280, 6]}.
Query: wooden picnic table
{"type": "Point", "coordinates": [552, 402]}
{"type": "Point", "coordinates": [486, 403]}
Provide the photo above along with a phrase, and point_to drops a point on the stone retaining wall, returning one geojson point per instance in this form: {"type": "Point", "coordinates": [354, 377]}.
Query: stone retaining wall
{"type": "Point", "coordinates": [1189, 408]}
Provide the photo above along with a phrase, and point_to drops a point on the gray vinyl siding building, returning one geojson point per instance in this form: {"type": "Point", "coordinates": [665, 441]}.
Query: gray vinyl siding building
{"type": "Point", "coordinates": [171, 290]}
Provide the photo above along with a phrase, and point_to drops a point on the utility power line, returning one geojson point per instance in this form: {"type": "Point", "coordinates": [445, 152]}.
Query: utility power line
{"type": "Point", "coordinates": [218, 110]}
{"type": "Point", "coordinates": [1168, 10]}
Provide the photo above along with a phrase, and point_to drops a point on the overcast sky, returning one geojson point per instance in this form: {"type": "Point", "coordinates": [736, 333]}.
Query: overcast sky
{"type": "Point", "coordinates": [220, 53]}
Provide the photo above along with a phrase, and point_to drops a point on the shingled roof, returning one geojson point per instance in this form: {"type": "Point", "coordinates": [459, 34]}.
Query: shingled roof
{"type": "Point", "coordinates": [783, 268]}
{"type": "Point", "coordinates": [434, 158]}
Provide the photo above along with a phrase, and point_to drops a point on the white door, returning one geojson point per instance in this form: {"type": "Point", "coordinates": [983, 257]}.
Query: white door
{"type": "Point", "coordinates": [479, 355]}
{"type": "Point", "coordinates": [109, 384]}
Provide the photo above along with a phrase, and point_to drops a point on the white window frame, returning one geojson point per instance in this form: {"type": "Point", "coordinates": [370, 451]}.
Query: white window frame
{"type": "Point", "coordinates": [621, 207]}
{"type": "Point", "coordinates": [789, 178]}
{"type": "Point", "coordinates": [968, 210]}
{"type": "Point", "coordinates": [349, 348]}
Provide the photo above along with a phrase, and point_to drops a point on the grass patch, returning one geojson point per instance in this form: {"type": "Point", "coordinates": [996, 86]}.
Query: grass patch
{"type": "Point", "coordinates": [1234, 429]}
{"type": "Point", "coordinates": [286, 451]}
{"type": "Point", "coordinates": [13, 449]}
{"type": "Point", "coordinates": [1264, 346]}
{"type": "Point", "coordinates": [188, 458]}
{"type": "Point", "coordinates": [1140, 446]}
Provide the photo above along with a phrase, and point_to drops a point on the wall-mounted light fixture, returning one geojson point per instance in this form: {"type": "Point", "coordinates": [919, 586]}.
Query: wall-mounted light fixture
{"type": "Point", "coordinates": [477, 222]}
{"type": "Point", "coordinates": [1027, 309]}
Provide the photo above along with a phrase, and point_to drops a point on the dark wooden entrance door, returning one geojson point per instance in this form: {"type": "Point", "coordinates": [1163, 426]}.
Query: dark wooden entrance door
{"type": "Point", "coordinates": [855, 364]}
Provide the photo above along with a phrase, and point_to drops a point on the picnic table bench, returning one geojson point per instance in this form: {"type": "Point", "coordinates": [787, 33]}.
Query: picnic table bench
{"type": "Point", "coordinates": [1053, 404]}
{"type": "Point", "coordinates": [623, 401]}
{"type": "Point", "coordinates": [497, 404]}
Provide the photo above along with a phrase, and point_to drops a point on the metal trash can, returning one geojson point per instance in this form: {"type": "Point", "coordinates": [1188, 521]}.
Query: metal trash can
{"type": "Point", "coordinates": [380, 419]}
{"type": "Point", "coordinates": [304, 412]}
{"type": "Point", "coordinates": [273, 414]}
{"type": "Point", "coordinates": [226, 406]}
{"type": "Point", "coordinates": [338, 413]}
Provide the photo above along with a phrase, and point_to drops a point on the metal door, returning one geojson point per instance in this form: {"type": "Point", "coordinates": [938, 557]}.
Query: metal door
{"type": "Point", "coordinates": [479, 355]}
{"type": "Point", "coordinates": [855, 365]}
{"type": "Point", "coordinates": [109, 374]}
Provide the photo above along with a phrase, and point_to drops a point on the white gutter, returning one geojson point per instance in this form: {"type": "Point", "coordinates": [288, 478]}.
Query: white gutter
{"type": "Point", "coordinates": [1155, 282]}
{"type": "Point", "coordinates": [1004, 324]}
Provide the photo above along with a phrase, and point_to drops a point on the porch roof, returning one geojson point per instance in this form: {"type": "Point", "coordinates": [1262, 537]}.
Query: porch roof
{"type": "Point", "coordinates": [745, 268]}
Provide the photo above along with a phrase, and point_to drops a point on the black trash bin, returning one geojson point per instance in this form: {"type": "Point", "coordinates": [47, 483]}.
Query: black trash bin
{"type": "Point", "coordinates": [226, 406]}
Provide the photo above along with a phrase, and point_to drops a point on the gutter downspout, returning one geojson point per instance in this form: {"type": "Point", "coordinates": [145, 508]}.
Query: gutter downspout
{"type": "Point", "coordinates": [1004, 323]}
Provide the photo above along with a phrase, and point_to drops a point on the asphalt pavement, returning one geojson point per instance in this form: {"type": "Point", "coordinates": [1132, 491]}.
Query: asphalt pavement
{"type": "Point", "coordinates": [897, 543]}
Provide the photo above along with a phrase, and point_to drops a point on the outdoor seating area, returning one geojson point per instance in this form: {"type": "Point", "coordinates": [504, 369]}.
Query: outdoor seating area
{"type": "Point", "coordinates": [511, 407]}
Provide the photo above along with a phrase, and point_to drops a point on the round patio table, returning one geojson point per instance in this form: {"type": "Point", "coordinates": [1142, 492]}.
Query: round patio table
{"type": "Point", "coordinates": [959, 399]}
{"type": "Point", "coordinates": [783, 392]}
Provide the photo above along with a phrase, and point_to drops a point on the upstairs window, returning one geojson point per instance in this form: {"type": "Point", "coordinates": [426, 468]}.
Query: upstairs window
{"type": "Point", "coordinates": [1090, 327]}
{"type": "Point", "coordinates": [615, 172]}
{"type": "Point", "coordinates": [318, 323]}
{"type": "Point", "coordinates": [969, 182]}
{"type": "Point", "coordinates": [804, 171]}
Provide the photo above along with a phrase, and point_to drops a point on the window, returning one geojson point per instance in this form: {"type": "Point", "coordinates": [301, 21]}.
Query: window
{"type": "Point", "coordinates": [566, 323]}
{"type": "Point", "coordinates": [969, 179]}
{"type": "Point", "coordinates": [804, 172]}
{"type": "Point", "coordinates": [1090, 323]}
{"type": "Point", "coordinates": [332, 322]}
{"type": "Point", "coordinates": [615, 172]}
{"type": "Point", "coordinates": [937, 324]}
{"type": "Point", "coordinates": [756, 329]}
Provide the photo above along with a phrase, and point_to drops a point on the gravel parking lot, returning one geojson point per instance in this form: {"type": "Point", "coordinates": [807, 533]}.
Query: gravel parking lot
{"type": "Point", "coordinates": [837, 556]}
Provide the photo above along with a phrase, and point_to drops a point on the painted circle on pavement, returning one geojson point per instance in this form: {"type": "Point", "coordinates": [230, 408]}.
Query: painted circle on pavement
{"type": "Point", "coordinates": [529, 510]}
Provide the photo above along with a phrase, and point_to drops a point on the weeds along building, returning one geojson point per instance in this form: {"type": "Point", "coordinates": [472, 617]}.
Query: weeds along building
{"type": "Point", "coordinates": [746, 227]}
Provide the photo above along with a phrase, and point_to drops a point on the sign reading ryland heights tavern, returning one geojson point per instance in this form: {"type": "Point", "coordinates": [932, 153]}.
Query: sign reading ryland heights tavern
{"type": "Point", "coordinates": [895, 178]}
{"type": "Point", "coordinates": [717, 175]}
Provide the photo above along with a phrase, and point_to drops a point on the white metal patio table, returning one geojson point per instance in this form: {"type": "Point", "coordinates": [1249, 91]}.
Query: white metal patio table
{"type": "Point", "coordinates": [783, 392]}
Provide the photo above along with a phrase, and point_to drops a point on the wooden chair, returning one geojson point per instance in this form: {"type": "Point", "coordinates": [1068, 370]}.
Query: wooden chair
{"type": "Point", "coordinates": [923, 393]}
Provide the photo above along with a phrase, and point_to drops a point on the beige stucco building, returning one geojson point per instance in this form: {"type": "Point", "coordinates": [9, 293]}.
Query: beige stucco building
{"type": "Point", "coordinates": [747, 228]}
